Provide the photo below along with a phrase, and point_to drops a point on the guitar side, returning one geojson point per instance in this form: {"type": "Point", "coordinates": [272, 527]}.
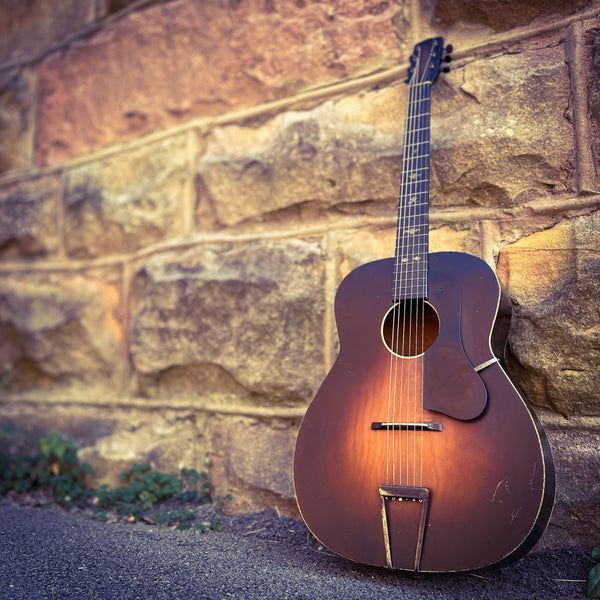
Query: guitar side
{"type": "Point", "coordinates": [489, 477]}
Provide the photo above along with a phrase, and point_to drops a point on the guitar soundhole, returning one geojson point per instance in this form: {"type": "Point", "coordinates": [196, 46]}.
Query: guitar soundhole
{"type": "Point", "coordinates": [410, 327]}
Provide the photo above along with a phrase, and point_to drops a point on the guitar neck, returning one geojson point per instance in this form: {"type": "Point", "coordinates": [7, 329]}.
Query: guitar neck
{"type": "Point", "coordinates": [412, 237]}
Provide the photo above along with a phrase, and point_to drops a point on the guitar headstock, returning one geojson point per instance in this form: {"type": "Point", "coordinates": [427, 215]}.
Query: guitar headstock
{"type": "Point", "coordinates": [426, 59]}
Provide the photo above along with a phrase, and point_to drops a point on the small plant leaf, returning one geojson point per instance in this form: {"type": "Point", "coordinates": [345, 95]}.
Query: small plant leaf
{"type": "Point", "coordinates": [592, 589]}
{"type": "Point", "coordinates": [596, 553]}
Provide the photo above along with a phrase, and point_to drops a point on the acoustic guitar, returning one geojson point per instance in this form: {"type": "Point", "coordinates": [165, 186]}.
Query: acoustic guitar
{"type": "Point", "coordinates": [418, 453]}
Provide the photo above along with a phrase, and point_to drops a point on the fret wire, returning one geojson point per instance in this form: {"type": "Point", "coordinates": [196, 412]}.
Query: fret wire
{"type": "Point", "coordinates": [412, 167]}
{"type": "Point", "coordinates": [412, 170]}
{"type": "Point", "coordinates": [420, 129]}
{"type": "Point", "coordinates": [417, 281]}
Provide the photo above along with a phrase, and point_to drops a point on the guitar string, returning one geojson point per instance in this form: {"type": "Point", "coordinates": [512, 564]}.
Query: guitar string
{"type": "Point", "coordinates": [404, 328]}
{"type": "Point", "coordinates": [411, 306]}
{"type": "Point", "coordinates": [414, 304]}
{"type": "Point", "coordinates": [398, 275]}
{"type": "Point", "coordinates": [425, 250]}
{"type": "Point", "coordinates": [409, 336]}
{"type": "Point", "coordinates": [414, 308]}
{"type": "Point", "coordinates": [409, 246]}
{"type": "Point", "coordinates": [393, 392]}
{"type": "Point", "coordinates": [421, 276]}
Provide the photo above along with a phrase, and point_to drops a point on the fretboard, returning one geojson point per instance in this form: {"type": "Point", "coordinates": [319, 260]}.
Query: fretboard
{"type": "Point", "coordinates": [412, 238]}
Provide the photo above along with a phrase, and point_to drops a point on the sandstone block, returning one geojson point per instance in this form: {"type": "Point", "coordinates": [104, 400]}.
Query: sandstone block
{"type": "Point", "coordinates": [552, 278]}
{"type": "Point", "coordinates": [500, 15]}
{"type": "Point", "coordinates": [29, 27]}
{"type": "Point", "coordinates": [576, 520]}
{"type": "Point", "coordinates": [228, 322]}
{"type": "Point", "coordinates": [111, 439]}
{"type": "Point", "coordinates": [592, 40]}
{"type": "Point", "coordinates": [268, 464]}
{"type": "Point", "coordinates": [132, 78]}
{"type": "Point", "coordinates": [343, 155]}
{"type": "Point", "coordinates": [60, 331]}
{"type": "Point", "coordinates": [28, 218]}
{"type": "Point", "coordinates": [356, 248]}
{"type": "Point", "coordinates": [505, 140]}
{"type": "Point", "coordinates": [17, 117]}
{"type": "Point", "coordinates": [165, 440]}
{"type": "Point", "coordinates": [253, 461]}
{"type": "Point", "coordinates": [125, 202]}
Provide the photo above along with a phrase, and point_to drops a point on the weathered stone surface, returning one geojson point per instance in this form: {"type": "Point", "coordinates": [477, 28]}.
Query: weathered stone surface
{"type": "Point", "coordinates": [132, 78]}
{"type": "Point", "coordinates": [27, 422]}
{"type": "Point", "coordinates": [576, 519]}
{"type": "Point", "coordinates": [269, 465]}
{"type": "Point", "coordinates": [253, 461]}
{"type": "Point", "coordinates": [28, 218]}
{"type": "Point", "coordinates": [60, 330]}
{"type": "Point", "coordinates": [27, 27]}
{"type": "Point", "coordinates": [319, 159]}
{"type": "Point", "coordinates": [501, 15]}
{"type": "Point", "coordinates": [165, 440]}
{"type": "Point", "coordinates": [553, 279]}
{"type": "Point", "coordinates": [345, 155]}
{"type": "Point", "coordinates": [110, 438]}
{"type": "Point", "coordinates": [506, 141]}
{"type": "Point", "coordinates": [17, 117]}
{"type": "Point", "coordinates": [579, 58]}
{"type": "Point", "coordinates": [108, 7]}
{"type": "Point", "coordinates": [240, 323]}
{"type": "Point", "coordinates": [127, 201]}
{"type": "Point", "coordinates": [353, 249]}
{"type": "Point", "coordinates": [592, 56]}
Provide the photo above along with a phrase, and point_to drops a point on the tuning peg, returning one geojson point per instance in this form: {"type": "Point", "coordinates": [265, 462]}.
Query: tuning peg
{"type": "Point", "coordinates": [447, 58]}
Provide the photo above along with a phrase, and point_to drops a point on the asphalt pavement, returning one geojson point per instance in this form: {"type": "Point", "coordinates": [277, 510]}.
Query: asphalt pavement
{"type": "Point", "coordinates": [47, 553]}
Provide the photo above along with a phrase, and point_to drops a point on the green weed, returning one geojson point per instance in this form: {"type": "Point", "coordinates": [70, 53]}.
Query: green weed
{"type": "Point", "coordinates": [56, 469]}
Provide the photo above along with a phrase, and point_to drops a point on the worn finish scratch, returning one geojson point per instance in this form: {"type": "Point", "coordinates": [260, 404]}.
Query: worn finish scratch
{"type": "Point", "coordinates": [502, 481]}
{"type": "Point", "coordinates": [531, 484]}
{"type": "Point", "coordinates": [514, 514]}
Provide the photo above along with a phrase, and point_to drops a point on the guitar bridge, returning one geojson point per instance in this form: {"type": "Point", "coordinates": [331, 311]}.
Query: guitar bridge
{"type": "Point", "coordinates": [376, 425]}
{"type": "Point", "coordinates": [398, 493]}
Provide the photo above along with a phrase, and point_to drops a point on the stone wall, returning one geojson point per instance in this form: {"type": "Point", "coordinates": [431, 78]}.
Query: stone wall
{"type": "Point", "coordinates": [185, 183]}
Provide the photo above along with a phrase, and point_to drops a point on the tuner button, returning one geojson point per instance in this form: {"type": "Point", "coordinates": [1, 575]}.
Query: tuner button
{"type": "Point", "coordinates": [449, 48]}
{"type": "Point", "coordinates": [446, 70]}
{"type": "Point", "coordinates": [447, 58]}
